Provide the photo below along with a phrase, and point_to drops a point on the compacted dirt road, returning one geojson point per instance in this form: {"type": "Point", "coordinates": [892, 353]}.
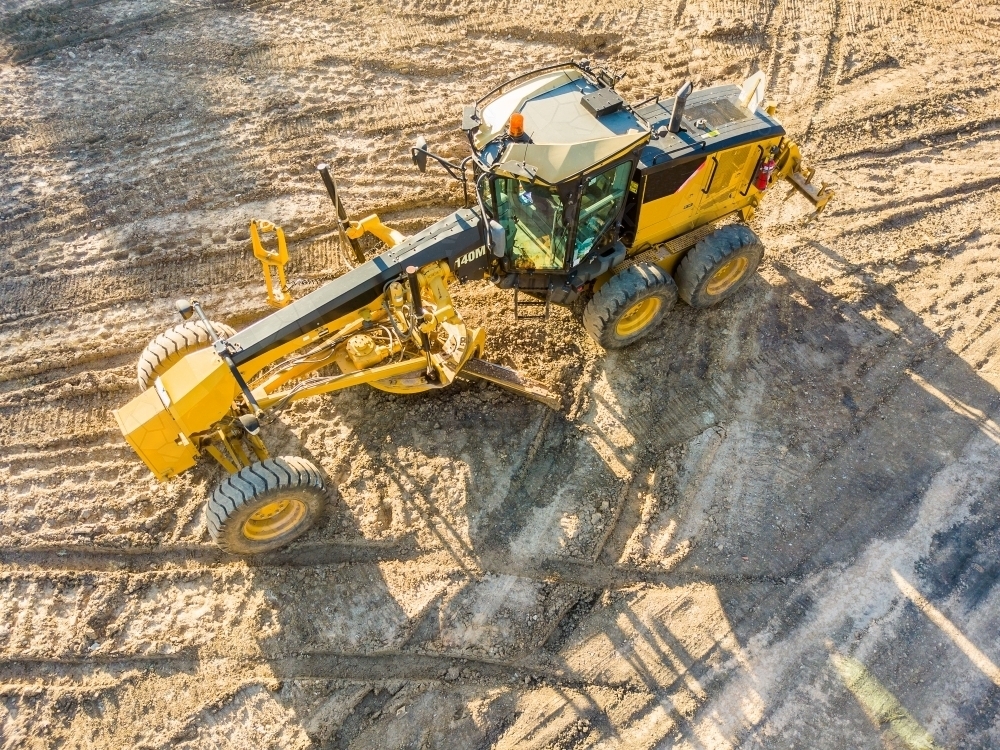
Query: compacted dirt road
{"type": "Point", "coordinates": [774, 524]}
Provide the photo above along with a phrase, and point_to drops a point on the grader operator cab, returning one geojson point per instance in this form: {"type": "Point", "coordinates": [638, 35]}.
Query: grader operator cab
{"type": "Point", "coordinates": [576, 195]}
{"type": "Point", "coordinates": [590, 190]}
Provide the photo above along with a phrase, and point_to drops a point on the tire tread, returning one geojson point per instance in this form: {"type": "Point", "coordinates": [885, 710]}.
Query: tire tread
{"type": "Point", "coordinates": [620, 292]}
{"type": "Point", "coordinates": [710, 252]}
{"type": "Point", "coordinates": [173, 344]}
{"type": "Point", "coordinates": [241, 489]}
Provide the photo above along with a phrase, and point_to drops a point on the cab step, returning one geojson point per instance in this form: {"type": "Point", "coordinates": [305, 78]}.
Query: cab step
{"type": "Point", "coordinates": [532, 302]}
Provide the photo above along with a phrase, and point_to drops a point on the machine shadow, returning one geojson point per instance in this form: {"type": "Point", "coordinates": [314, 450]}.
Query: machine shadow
{"type": "Point", "coordinates": [641, 543]}
{"type": "Point", "coordinates": [867, 404]}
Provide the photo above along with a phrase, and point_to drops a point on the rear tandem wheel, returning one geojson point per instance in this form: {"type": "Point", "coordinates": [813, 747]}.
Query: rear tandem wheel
{"type": "Point", "coordinates": [719, 265]}
{"type": "Point", "coordinates": [629, 305]}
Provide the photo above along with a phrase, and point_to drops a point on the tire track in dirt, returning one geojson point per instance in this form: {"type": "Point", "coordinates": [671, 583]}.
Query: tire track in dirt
{"type": "Point", "coordinates": [918, 146]}
{"type": "Point", "coordinates": [914, 144]}
{"type": "Point", "coordinates": [34, 299]}
{"type": "Point", "coordinates": [308, 665]}
{"type": "Point", "coordinates": [781, 44]}
{"type": "Point", "coordinates": [41, 560]}
{"type": "Point", "coordinates": [941, 17]}
{"type": "Point", "coordinates": [600, 576]}
{"type": "Point", "coordinates": [928, 138]}
{"type": "Point", "coordinates": [896, 213]}
{"type": "Point", "coordinates": [79, 418]}
{"type": "Point", "coordinates": [85, 383]}
{"type": "Point", "coordinates": [27, 50]}
{"type": "Point", "coordinates": [74, 456]}
{"type": "Point", "coordinates": [830, 64]}
{"type": "Point", "coordinates": [680, 417]}
{"type": "Point", "coordinates": [46, 296]}
{"type": "Point", "coordinates": [682, 420]}
{"type": "Point", "coordinates": [26, 376]}
{"type": "Point", "coordinates": [74, 408]}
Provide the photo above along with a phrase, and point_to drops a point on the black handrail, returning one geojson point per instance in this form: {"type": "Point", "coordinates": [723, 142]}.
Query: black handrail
{"type": "Point", "coordinates": [711, 178]}
{"type": "Point", "coordinates": [529, 74]}
{"type": "Point", "coordinates": [753, 174]}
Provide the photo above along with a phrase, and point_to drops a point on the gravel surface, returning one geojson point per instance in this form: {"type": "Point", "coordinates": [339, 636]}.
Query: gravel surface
{"type": "Point", "coordinates": [772, 524]}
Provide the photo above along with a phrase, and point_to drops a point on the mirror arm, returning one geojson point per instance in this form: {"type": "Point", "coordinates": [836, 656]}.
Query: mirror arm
{"type": "Point", "coordinates": [488, 239]}
{"type": "Point", "coordinates": [455, 170]}
{"type": "Point", "coordinates": [458, 171]}
{"type": "Point", "coordinates": [465, 182]}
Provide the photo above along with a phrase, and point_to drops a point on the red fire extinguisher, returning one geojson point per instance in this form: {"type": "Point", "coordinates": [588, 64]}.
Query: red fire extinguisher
{"type": "Point", "coordinates": [764, 174]}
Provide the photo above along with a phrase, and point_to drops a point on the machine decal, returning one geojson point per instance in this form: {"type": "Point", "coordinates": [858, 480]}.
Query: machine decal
{"type": "Point", "coordinates": [471, 265]}
{"type": "Point", "coordinates": [469, 257]}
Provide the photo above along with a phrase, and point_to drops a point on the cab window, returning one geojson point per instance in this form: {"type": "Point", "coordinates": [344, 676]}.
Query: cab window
{"type": "Point", "coordinates": [602, 198]}
{"type": "Point", "coordinates": [532, 216]}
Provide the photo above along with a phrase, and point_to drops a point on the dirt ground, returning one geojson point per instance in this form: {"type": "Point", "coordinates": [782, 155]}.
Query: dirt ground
{"type": "Point", "coordinates": [773, 524]}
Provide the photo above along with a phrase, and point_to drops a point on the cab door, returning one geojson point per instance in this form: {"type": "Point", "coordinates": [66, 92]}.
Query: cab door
{"type": "Point", "coordinates": [601, 199]}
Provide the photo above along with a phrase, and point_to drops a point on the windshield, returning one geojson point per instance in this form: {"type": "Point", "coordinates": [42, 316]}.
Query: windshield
{"type": "Point", "coordinates": [602, 197]}
{"type": "Point", "coordinates": [532, 217]}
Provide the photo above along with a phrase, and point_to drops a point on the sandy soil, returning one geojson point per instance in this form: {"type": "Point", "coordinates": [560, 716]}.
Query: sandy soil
{"type": "Point", "coordinates": [772, 525]}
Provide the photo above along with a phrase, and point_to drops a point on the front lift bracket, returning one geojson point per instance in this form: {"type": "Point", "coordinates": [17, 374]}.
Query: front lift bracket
{"type": "Point", "coordinates": [273, 261]}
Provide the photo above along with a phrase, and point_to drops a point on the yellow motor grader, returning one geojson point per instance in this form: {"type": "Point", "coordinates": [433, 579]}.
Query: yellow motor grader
{"type": "Point", "coordinates": [576, 195]}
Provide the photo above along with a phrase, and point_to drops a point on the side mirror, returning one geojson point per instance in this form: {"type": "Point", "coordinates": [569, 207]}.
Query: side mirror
{"type": "Point", "coordinates": [498, 239]}
{"type": "Point", "coordinates": [419, 154]}
{"type": "Point", "coordinates": [470, 120]}
{"type": "Point", "coordinates": [185, 308]}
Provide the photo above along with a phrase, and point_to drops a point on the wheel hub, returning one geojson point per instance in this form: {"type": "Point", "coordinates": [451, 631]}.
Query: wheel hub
{"type": "Point", "coordinates": [638, 316]}
{"type": "Point", "coordinates": [274, 519]}
{"type": "Point", "coordinates": [727, 275]}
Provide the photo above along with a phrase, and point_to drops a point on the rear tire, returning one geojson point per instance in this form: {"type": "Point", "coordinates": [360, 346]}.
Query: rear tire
{"type": "Point", "coordinates": [719, 265]}
{"type": "Point", "coordinates": [629, 305]}
{"type": "Point", "coordinates": [171, 345]}
{"type": "Point", "coordinates": [266, 505]}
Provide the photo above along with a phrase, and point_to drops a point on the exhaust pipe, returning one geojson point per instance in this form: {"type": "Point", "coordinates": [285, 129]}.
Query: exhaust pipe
{"type": "Point", "coordinates": [678, 111]}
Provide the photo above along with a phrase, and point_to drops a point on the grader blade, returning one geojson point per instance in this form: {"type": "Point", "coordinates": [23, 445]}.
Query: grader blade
{"type": "Point", "coordinates": [512, 380]}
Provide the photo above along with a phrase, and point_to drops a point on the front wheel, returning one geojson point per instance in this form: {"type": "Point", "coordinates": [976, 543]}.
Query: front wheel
{"type": "Point", "coordinates": [172, 345]}
{"type": "Point", "coordinates": [266, 505]}
{"type": "Point", "coordinates": [629, 305]}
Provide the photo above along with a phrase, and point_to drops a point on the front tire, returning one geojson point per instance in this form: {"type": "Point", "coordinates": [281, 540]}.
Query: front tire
{"type": "Point", "coordinates": [266, 505]}
{"type": "Point", "coordinates": [172, 345]}
{"type": "Point", "coordinates": [629, 305]}
{"type": "Point", "coordinates": [719, 265]}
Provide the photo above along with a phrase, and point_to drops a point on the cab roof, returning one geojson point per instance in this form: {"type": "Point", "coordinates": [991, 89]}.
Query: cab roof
{"type": "Point", "coordinates": [572, 122]}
